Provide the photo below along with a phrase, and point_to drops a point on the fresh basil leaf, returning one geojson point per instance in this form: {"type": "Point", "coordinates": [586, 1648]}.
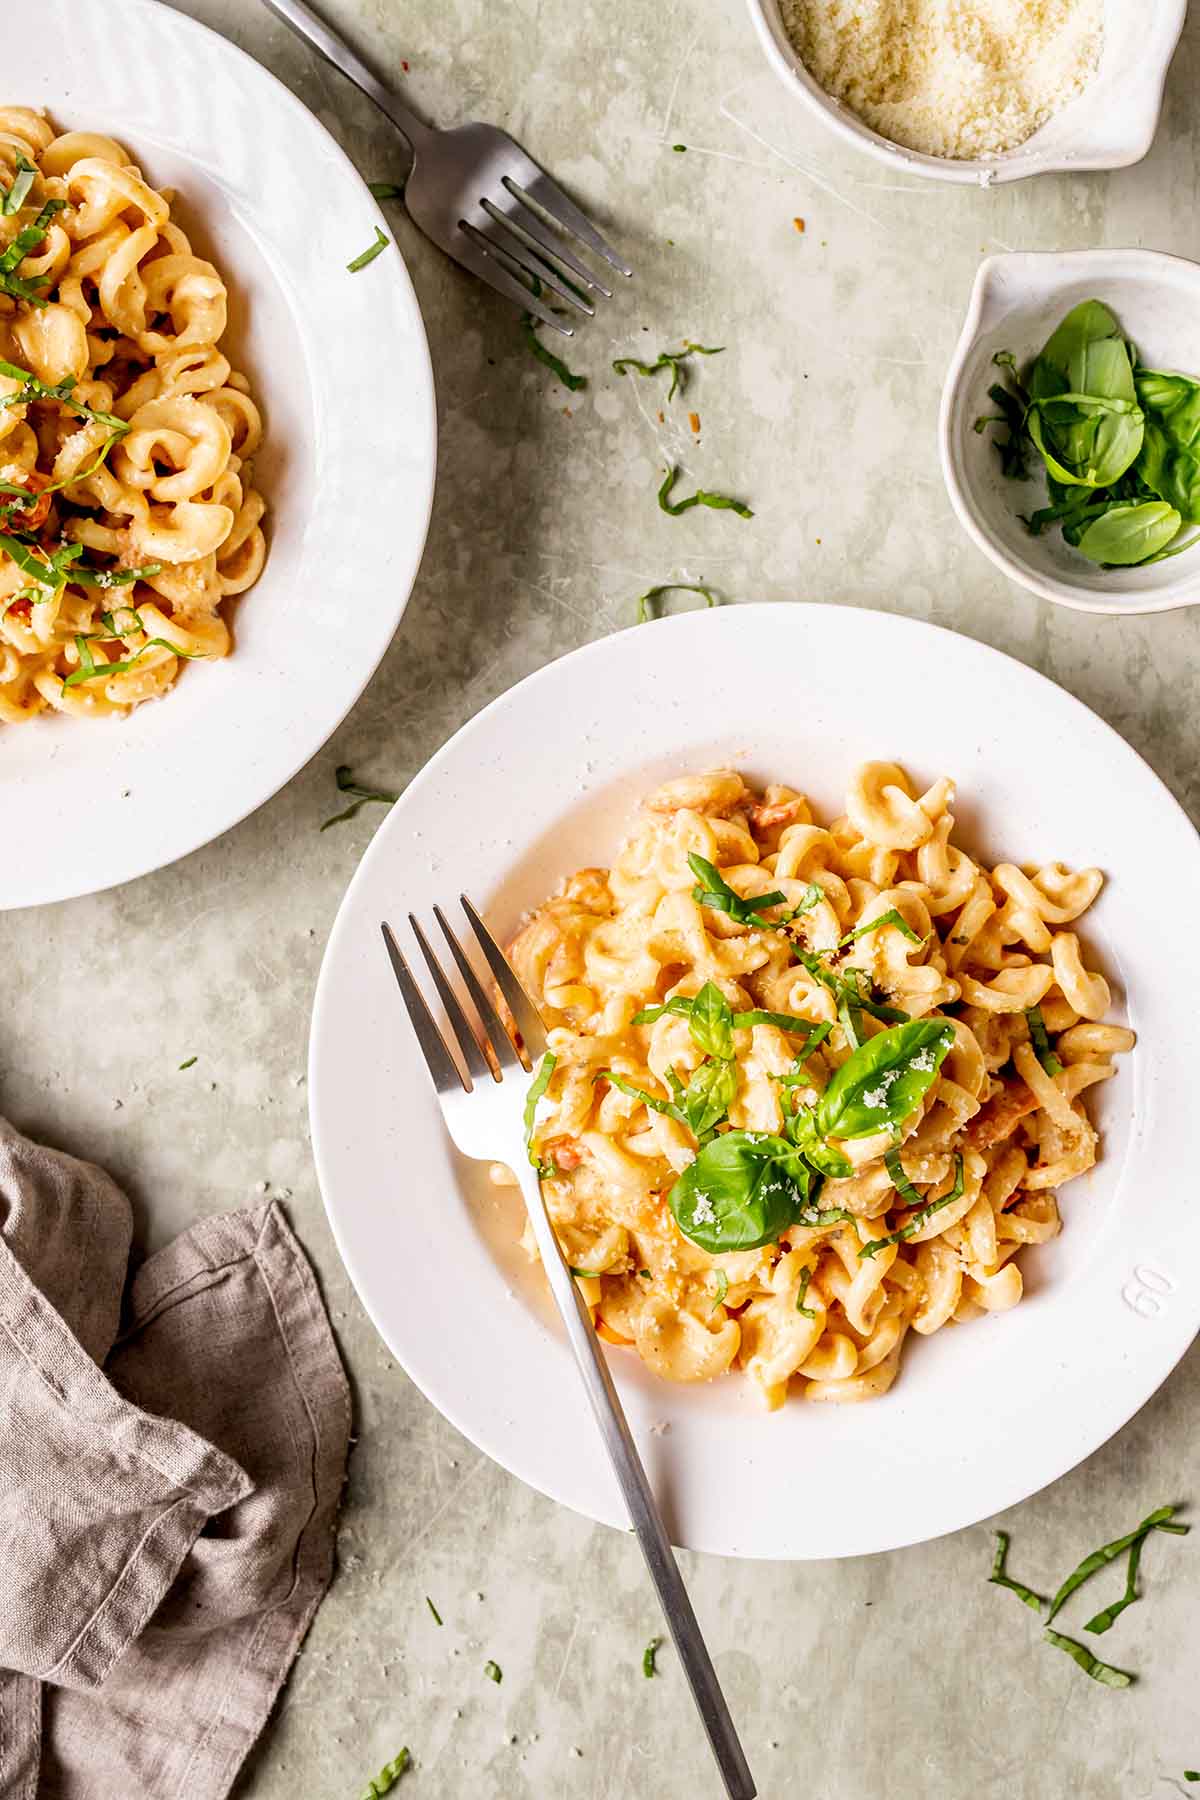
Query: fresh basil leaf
{"type": "Point", "coordinates": [828, 1161]}
{"type": "Point", "coordinates": [739, 1193]}
{"type": "Point", "coordinates": [708, 1095]}
{"type": "Point", "coordinates": [891, 917]}
{"type": "Point", "coordinates": [1091, 1665]}
{"type": "Point", "coordinates": [885, 1080]}
{"type": "Point", "coordinates": [710, 1021]}
{"type": "Point", "coordinates": [1125, 535]}
{"type": "Point", "coordinates": [806, 1312]}
{"type": "Point", "coordinates": [953, 1193]}
{"type": "Point", "coordinates": [1002, 1579]}
{"type": "Point", "coordinates": [644, 615]}
{"type": "Point", "coordinates": [368, 256]}
{"type": "Point", "coordinates": [1040, 1039]}
{"type": "Point", "coordinates": [18, 193]}
{"type": "Point", "coordinates": [718, 502]}
{"type": "Point", "coordinates": [538, 1086]}
{"type": "Point", "coordinates": [1159, 1520]}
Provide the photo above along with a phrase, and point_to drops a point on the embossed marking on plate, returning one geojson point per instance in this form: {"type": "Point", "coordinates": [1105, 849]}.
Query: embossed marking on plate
{"type": "Point", "coordinates": [1146, 1290]}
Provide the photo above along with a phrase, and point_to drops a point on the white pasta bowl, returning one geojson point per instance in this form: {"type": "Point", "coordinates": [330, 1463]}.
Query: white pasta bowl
{"type": "Point", "coordinates": [1109, 126]}
{"type": "Point", "coordinates": [545, 781]}
{"type": "Point", "coordinates": [340, 365]}
{"type": "Point", "coordinates": [1016, 303]}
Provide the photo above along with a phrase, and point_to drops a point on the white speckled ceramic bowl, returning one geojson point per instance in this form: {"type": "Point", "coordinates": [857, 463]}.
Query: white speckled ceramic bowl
{"type": "Point", "coordinates": [1016, 303]}
{"type": "Point", "coordinates": [1109, 126]}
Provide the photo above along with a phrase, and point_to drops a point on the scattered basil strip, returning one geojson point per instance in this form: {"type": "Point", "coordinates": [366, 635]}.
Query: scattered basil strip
{"type": "Point", "coordinates": [90, 670]}
{"type": "Point", "coordinates": [48, 570]}
{"type": "Point", "coordinates": [645, 616]}
{"type": "Point", "coordinates": [35, 389]}
{"type": "Point", "coordinates": [1039, 1038]}
{"type": "Point", "coordinates": [918, 1219]}
{"type": "Point", "coordinates": [113, 578]}
{"type": "Point", "coordinates": [714, 891]}
{"type": "Point", "coordinates": [586, 1274]}
{"type": "Point", "coordinates": [1002, 1579]}
{"type": "Point", "coordinates": [648, 1655]}
{"type": "Point", "coordinates": [667, 359]}
{"type": "Point", "coordinates": [368, 256]}
{"type": "Point", "coordinates": [722, 1288]}
{"type": "Point", "coordinates": [26, 240]}
{"type": "Point", "coordinates": [636, 1093]}
{"type": "Point", "coordinates": [493, 1672]}
{"type": "Point", "coordinates": [190, 1063]}
{"type": "Point", "coordinates": [718, 502]}
{"type": "Point", "coordinates": [437, 1617]}
{"type": "Point", "coordinates": [1191, 1774]}
{"type": "Point", "coordinates": [346, 784]}
{"type": "Point", "coordinates": [538, 1086]}
{"type": "Point", "coordinates": [885, 1080]}
{"type": "Point", "coordinates": [1159, 1520]}
{"type": "Point", "coordinates": [386, 190]}
{"type": "Point", "coordinates": [890, 917]}
{"type": "Point", "coordinates": [806, 1312]}
{"type": "Point", "coordinates": [18, 193]}
{"type": "Point", "coordinates": [556, 363]}
{"type": "Point", "coordinates": [903, 1186]}
{"type": "Point", "coordinates": [388, 1776]}
{"type": "Point", "coordinates": [1091, 1665]}
{"type": "Point", "coordinates": [1107, 1617]}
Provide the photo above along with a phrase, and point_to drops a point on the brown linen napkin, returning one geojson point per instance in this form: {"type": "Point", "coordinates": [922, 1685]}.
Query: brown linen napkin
{"type": "Point", "coordinates": [166, 1525]}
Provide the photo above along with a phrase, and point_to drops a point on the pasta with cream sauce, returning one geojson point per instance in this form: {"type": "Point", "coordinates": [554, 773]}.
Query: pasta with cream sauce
{"type": "Point", "coordinates": [893, 923]}
{"type": "Point", "coordinates": [128, 511]}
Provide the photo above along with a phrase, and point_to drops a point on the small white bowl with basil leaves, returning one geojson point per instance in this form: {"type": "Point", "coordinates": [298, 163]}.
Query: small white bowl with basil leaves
{"type": "Point", "coordinates": [1070, 426]}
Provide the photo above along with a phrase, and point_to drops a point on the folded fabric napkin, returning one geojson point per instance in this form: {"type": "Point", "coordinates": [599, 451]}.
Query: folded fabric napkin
{"type": "Point", "coordinates": [171, 1462]}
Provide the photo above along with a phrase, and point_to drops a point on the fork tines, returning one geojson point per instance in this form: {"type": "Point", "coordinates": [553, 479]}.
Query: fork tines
{"type": "Point", "coordinates": [487, 1049]}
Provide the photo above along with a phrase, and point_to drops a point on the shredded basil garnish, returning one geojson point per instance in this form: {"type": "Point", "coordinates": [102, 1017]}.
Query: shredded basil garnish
{"type": "Point", "coordinates": [806, 1312]}
{"type": "Point", "coordinates": [645, 616]}
{"type": "Point", "coordinates": [493, 1671]}
{"type": "Point", "coordinates": [386, 190]}
{"type": "Point", "coordinates": [1040, 1040]}
{"type": "Point", "coordinates": [437, 1617]}
{"type": "Point", "coordinates": [668, 359]}
{"type": "Point", "coordinates": [1091, 1665]}
{"type": "Point", "coordinates": [541, 1082]}
{"type": "Point", "coordinates": [555, 363]}
{"type": "Point", "coordinates": [90, 670]}
{"type": "Point", "coordinates": [27, 239]}
{"type": "Point", "coordinates": [346, 784]}
{"type": "Point", "coordinates": [1107, 1617]}
{"type": "Point", "coordinates": [112, 578]}
{"type": "Point", "coordinates": [388, 1776]}
{"type": "Point", "coordinates": [890, 917]}
{"type": "Point", "coordinates": [648, 1655]}
{"type": "Point", "coordinates": [35, 389]}
{"type": "Point", "coordinates": [368, 256]}
{"type": "Point", "coordinates": [903, 1186]}
{"type": "Point", "coordinates": [1002, 1579]}
{"type": "Point", "coordinates": [18, 193]}
{"type": "Point", "coordinates": [1159, 1520]}
{"type": "Point", "coordinates": [190, 1063]}
{"type": "Point", "coordinates": [714, 891]}
{"type": "Point", "coordinates": [722, 1288]}
{"type": "Point", "coordinates": [918, 1219]}
{"type": "Point", "coordinates": [718, 502]}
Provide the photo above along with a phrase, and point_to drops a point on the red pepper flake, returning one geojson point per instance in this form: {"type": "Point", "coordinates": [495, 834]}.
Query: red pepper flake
{"type": "Point", "coordinates": [404, 65]}
{"type": "Point", "coordinates": [662, 418]}
{"type": "Point", "coordinates": [799, 224]}
{"type": "Point", "coordinates": [694, 421]}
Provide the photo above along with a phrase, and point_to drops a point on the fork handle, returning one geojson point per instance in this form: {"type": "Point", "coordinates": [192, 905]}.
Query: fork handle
{"type": "Point", "coordinates": [639, 1498]}
{"type": "Point", "coordinates": [305, 23]}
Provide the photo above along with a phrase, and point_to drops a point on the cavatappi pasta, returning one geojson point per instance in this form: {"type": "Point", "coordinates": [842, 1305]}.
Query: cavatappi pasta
{"type": "Point", "coordinates": [823, 1309]}
{"type": "Point", "coordinates": [128, 512]}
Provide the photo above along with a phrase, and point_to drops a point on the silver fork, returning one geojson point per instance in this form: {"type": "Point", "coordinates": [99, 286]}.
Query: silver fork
{"type": "Point", "coordinates": [483, 1112]}
{"type": "Point", "coordinates": [479, 195]}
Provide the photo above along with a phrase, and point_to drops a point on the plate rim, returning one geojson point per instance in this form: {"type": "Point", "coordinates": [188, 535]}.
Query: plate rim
{"type": "Point", "coordinates": [377, 851]}
{"type": "Point", "coordinates": [71, 887]}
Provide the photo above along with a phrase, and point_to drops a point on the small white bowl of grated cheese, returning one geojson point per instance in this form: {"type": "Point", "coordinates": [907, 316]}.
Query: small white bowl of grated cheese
{"type": "Point", "coordinates": [979, 91]}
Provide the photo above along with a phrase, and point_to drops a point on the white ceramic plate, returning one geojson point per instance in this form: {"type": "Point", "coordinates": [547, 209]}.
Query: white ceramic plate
{"type": "Point", "coordinates": [341, 367]}
{"type": "Point", "coordinates": [1110, 125]}
{"type": "Point", "coordinates": [544, 781]}
{"type": "Point", "coordinates": [1017, 301]}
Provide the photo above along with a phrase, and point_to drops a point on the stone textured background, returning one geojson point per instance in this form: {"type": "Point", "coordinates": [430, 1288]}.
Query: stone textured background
{"type": "Point", "coordinates": [901, 1675]}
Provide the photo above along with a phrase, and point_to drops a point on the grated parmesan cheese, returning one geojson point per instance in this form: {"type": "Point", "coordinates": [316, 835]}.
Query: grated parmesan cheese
{"type": "Point", "coordinates": [953, 78]}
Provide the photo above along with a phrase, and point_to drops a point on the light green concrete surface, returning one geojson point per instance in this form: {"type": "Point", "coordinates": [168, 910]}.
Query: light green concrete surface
{"type": "Point", "coordinates": [901, 1676]}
